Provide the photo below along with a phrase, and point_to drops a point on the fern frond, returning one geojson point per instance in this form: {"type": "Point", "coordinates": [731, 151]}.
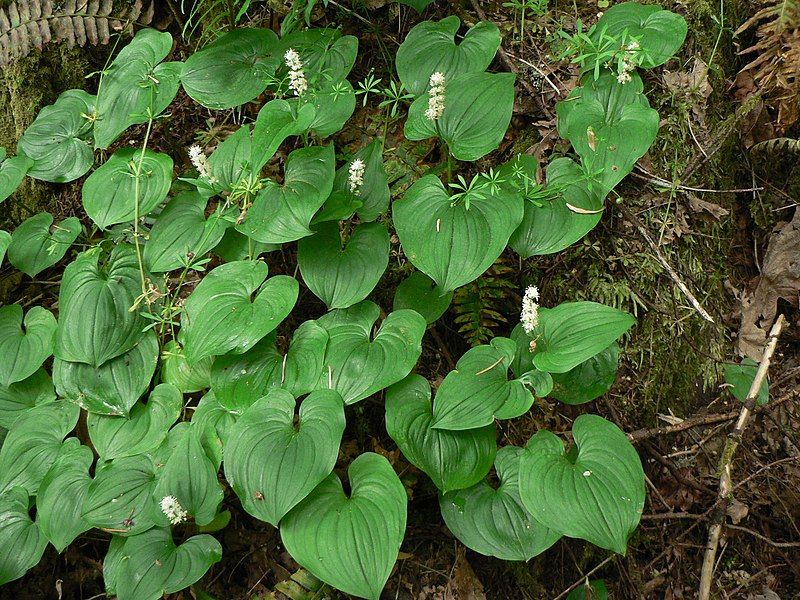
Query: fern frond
{"type": "Point", "coordinates": [480, 306]}
{"type": "Point", "coordinates": [784, 146]}
{"type": "Point", "coordinates": [776, 65]}
{"type": "Point", "coordinates": [28, 24]}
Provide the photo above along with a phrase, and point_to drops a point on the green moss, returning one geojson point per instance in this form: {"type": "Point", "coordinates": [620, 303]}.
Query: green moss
{"type": "Point", "coordinates": [27, 85]}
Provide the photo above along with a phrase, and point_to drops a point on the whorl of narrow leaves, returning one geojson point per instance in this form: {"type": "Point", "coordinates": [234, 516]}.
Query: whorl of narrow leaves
{"type": "Point", "coordinates": [27, 24]}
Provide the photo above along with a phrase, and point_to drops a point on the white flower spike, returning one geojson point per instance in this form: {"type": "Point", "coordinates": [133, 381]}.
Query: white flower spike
{"type": "Point", "coordinates": [172, 508]}
{"type": "Point", "coordinates": [530, 309]}
{"type": "Point", "coordinates": [297, 77]}
{"type": "Point", "coordinates": [436, 97]}
{"type": "Point", "coordinates": [200, 162]}
{"type": "Point", "coordinates": [356, 175]}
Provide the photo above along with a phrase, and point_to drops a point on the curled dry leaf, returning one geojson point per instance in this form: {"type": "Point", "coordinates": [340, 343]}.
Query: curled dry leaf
{"type": "Point", "coordinates": [780, 278]}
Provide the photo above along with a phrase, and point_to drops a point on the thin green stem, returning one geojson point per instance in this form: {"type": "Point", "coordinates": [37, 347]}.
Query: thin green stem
{"type": "Point", "coordinates": [136, 191]}
{"type": "Point", "coordinates": [721, 31]}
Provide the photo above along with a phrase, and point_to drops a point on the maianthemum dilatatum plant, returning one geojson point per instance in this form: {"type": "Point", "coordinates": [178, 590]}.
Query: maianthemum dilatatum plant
{"type": "Point", "coordinates": [134, 343]}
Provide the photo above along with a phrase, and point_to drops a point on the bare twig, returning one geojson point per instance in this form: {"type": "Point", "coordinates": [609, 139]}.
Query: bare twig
{"type": "Point", "coordinates": [636, 222]}
{"type": "Point", "coordinates": [726, 460]}
{"type": "Point", "coordinates": [584, 577]}
{"type": "Point", "coordinates": [764, 538]}
{"type": "Point", "coordinates": [699, 421]}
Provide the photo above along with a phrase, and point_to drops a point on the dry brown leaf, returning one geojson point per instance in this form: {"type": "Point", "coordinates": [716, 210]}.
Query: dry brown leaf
{"type": "Point", "coordinates": [715, 210]}
{"type": "Point", "coordinates": [464, 584]}
{"type": "Point", "coordinates": [780, 278]}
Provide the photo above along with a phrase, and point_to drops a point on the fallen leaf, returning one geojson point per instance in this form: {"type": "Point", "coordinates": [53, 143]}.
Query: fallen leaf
{"type": "Point", "coordinates": [780, 278]}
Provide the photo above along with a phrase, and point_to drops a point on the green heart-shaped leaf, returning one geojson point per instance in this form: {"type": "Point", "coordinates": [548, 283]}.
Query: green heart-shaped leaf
{"type": "Point", "coordinates": [120, 497]}
{"type": "Point", "coordinates": [135, 86]}
{"type": "Point", "coordinates": [271, 462]}
{"type": "Point", "coordinates": [350, 543]}
{"type": "Point", "coordinates": [660, 32]}
{"type": "Point", "coordinates": [451, 244]}
{"type": "Point", "coordinates": [373, 193]}
{"type": "Point", "coordinates": [417, 5]}
{"type": "Point", "coordinates": [493, 521]}
{"type": "Point", "coordinates": [100, 294]}
{"type": "Point", "coordinates": [182, 231]}
{"type": "Point", "coordinates": [189, 476]}
{"type": "Point", "coordinates": [431, 47]}
{"type": "Point", "coordinates": [740, 377]}
{"type": "Point", "coordinates": [282, 213]}
{"type": "Point", "coordinates": [5, 242]}
{"type": "Point", "coordinates": [24, 347]}
{"type": "Point", "coordinates": [149, 565]}
{"type": "Point", "coordinates": [213, 423]}
{"type": "Point", "coordinates": [38, 244]}
{"type": "Point", "coordinates": [113, 388]}
{"type": "Point", "coordinates": [109, 194]}
{"type": "Point", "coordinates": [60, 499]}
{"type": "Point", "coordinates": [477, 112]}
{"type": "Point", "coordinates": [342, 275]}
{"type": "Point", "coordinates": [220, 317]}
{"type": "Point", "coordinates": [175, 370]}
{"type": "Point", "coordinates": [233, 70]}
{"type": "Point", "coordinates": [19, 397]}
{"type": "Point", "coordinates": [238, 380]}
{"type": "Point", "coordinates": [237, 246]}
{"type": "Point", "coordinates": [21, 537]}
{"type": "Point", "coordinates": [454, 460]}
{"type": "Point", "coordinates": [569, 211]}
{"type": "Point", "coordinates": [611, 126]}
{"type": "Point", "coordinates": [12, 172]}
{"type": "Point", "coordinates": [277, 121]}
{"type": "Point", "coordinates": [593, 492]}
{"type": "Point", "coordinates": [567, 335]}
{"type": "Point", "coordinates": [421, 294]}
{"type": "Point", "coordinates": [142, 431]}
{"type": "Point", "coordinates": [326, 54]}
{"type": "Point", "coordinates": [589, 380]}
{"type": "Point", "coordinates": [478, 391]}
{"type": "Point", "coordinates": [357, 366]}
{"type": "Point", "coordinates": [591, 590]}
{"type": "Point", "coordinates": [334, 102]}
{"type": "Point", "coordinates": [57, 139]}
{"type": "Point", "coordinates": [33, 445]}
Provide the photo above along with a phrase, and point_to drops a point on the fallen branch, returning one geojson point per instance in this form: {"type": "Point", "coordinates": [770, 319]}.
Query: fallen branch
{"type": "Point", "coordinates": [726, 460]}
{"type": "Point", "coordinates": [699, 421]}
{"type": "Point", "coordinates": [636, 222]}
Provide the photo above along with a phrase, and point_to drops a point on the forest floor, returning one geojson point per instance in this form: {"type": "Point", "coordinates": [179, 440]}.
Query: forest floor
{"type": "Point", "coordinates": [712, 200]}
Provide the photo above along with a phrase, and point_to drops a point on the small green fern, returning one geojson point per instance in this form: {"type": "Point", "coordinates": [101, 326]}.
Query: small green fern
{"type": "Point", "coordinates": [480, 305]}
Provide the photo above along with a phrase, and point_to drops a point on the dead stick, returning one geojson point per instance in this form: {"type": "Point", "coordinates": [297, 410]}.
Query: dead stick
{"type": "Point", "coordinates": [634, 220]}
{"type": "Point", "coordinates": [726, 460]}
{"type": "Point", "coordinates": [643, 434]}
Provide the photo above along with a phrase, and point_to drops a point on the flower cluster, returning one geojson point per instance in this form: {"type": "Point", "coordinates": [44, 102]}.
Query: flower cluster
{"type": "Point", "coordinates": [297, 76]}
{"type": "Point", "coordinates": [435, 96]}
{"type": "Point", "coordinates": [200, 162]}
{"type": "Point", "coordinates": [627, 62]}
{"type": "Point", "coordinates": [530, 309]}
{"type": "Point", "coordinates": [172, 508]}
{"type": "Point", "coordinates": [355, 177]}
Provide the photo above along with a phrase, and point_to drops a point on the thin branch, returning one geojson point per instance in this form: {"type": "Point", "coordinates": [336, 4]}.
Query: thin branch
{"type": "Point", "coordinates": [726, 460]}
{"type": "Point", "coordinates": [692, 422]}
{"type": "Point", "coordinates": [636, 222]}
{"type": "Point", "coordinates": [764, 538]}
{"type": "Point", "coordinates": [584, 577]}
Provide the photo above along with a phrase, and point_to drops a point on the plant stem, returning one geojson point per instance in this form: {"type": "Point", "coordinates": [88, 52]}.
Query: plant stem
{"type": "Point", "coordinates": [136, 190]}
{"type": "Point", "coordinates": [721, 30]}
